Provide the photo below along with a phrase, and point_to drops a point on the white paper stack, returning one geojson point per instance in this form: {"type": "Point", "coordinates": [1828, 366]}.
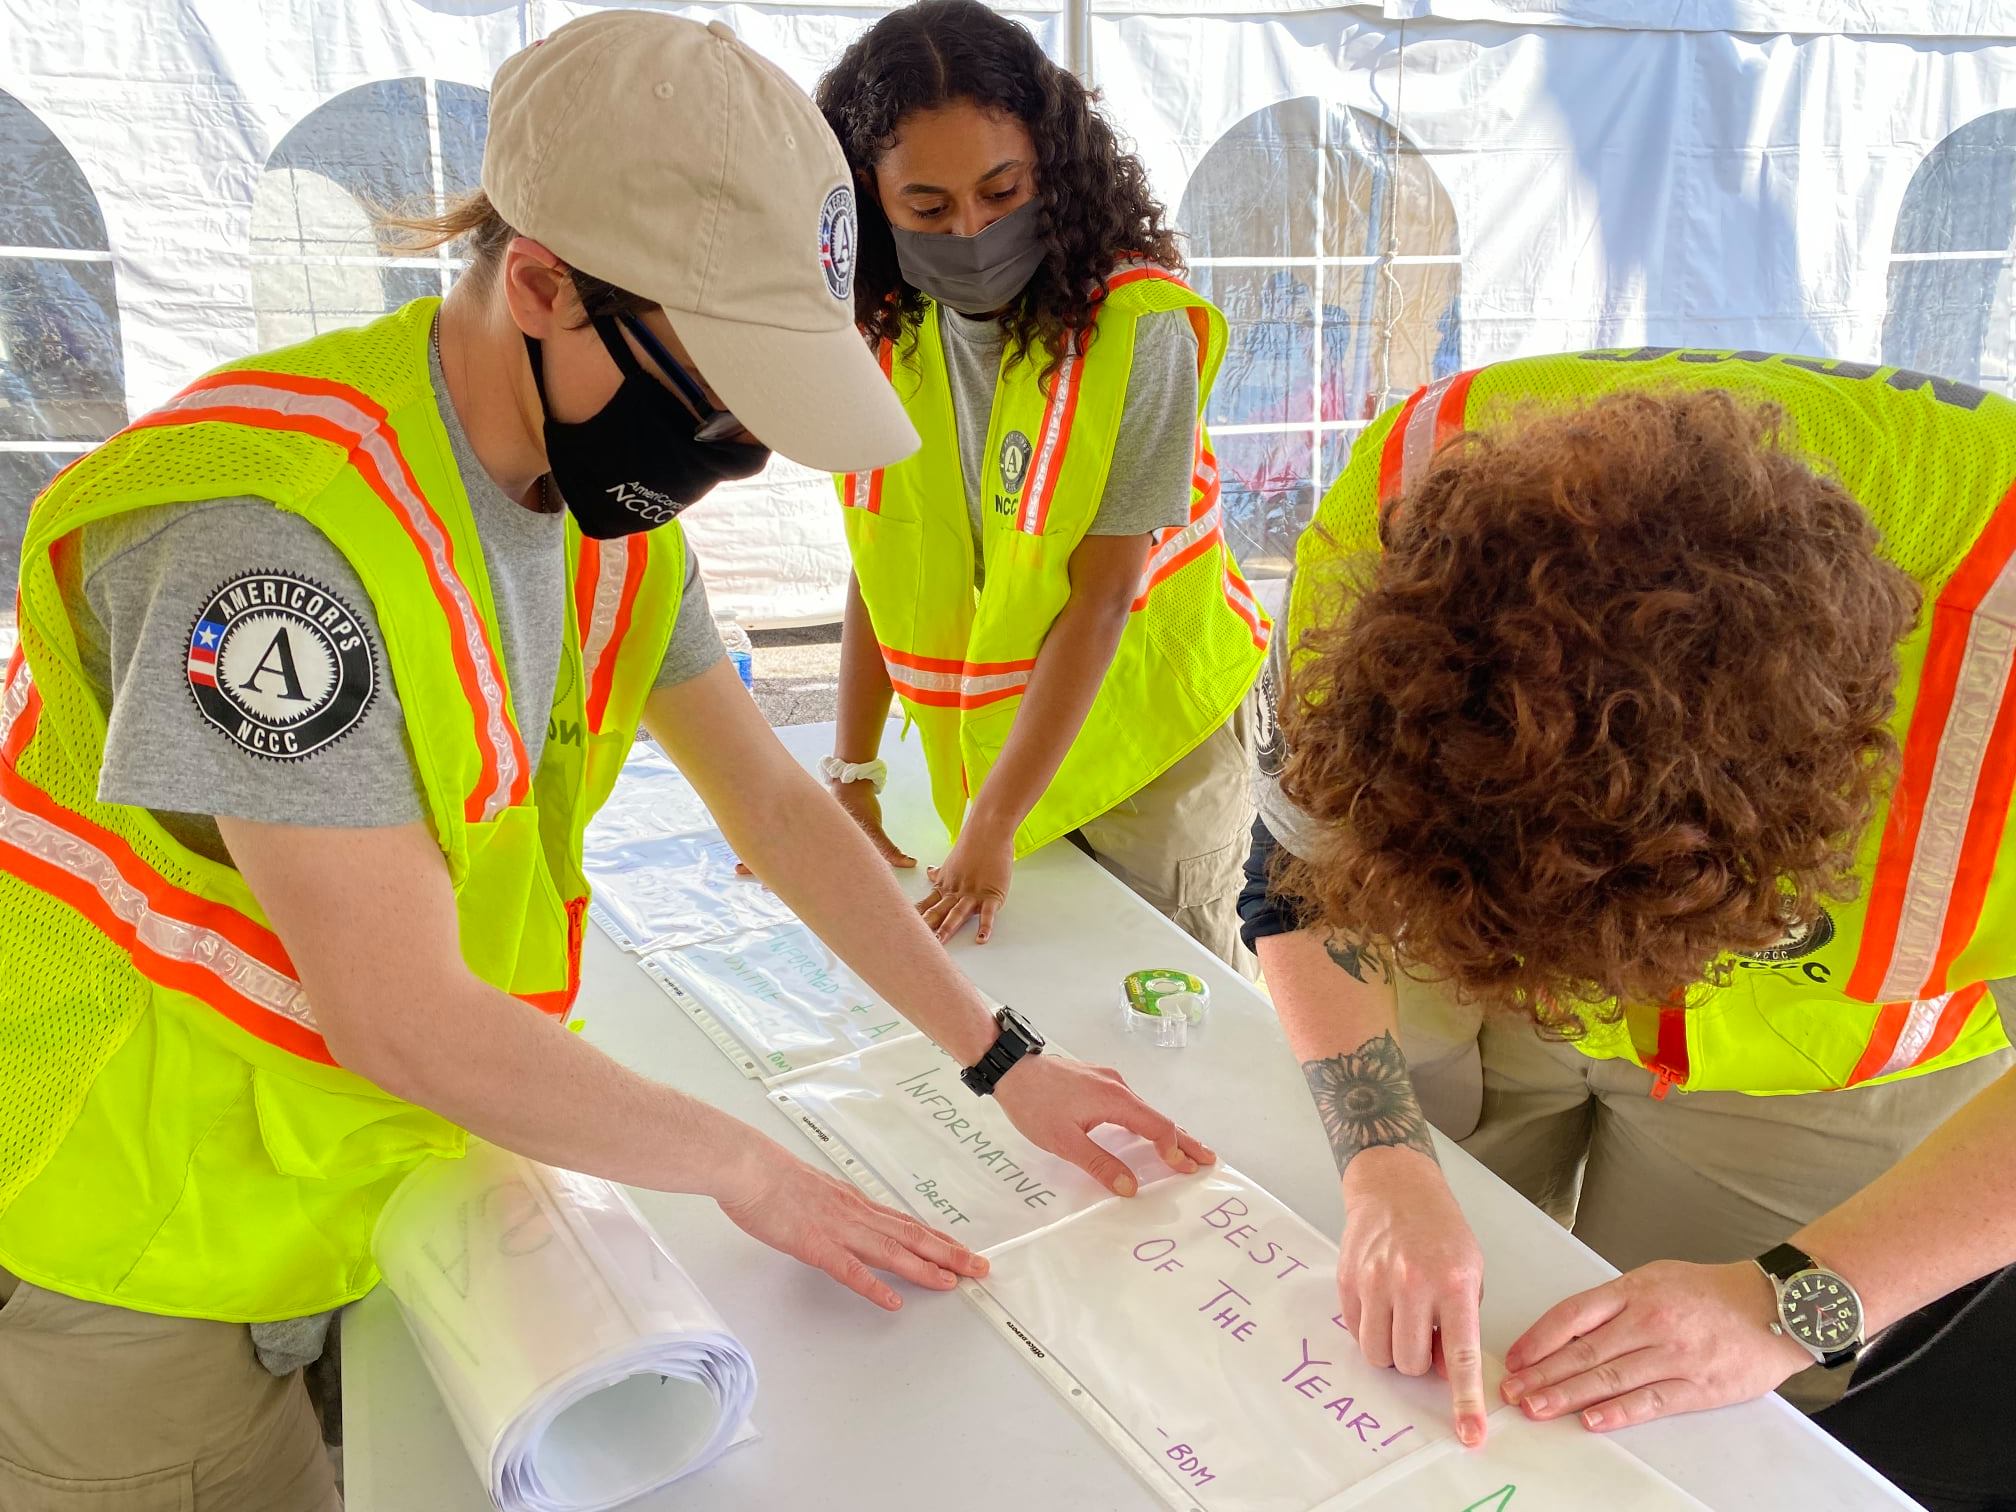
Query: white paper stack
{"type": "Point", "coordinates": [580, 1364]}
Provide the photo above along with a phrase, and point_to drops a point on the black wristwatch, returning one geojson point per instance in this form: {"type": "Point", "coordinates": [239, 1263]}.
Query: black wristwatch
{"type": "Point", "coordinates": [1018, 1038]}
{"type": "Point", "coordinates": [1816, 1307]}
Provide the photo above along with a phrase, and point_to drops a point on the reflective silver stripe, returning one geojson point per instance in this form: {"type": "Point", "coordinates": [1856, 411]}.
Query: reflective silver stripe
{"type": "Point", "coordinates": [373, 442]}
{"type": "Point", "coordinates": [1171, 547]}
{"type": "Point", "coordinates": [1916, 1035]}
{"type": "Point", "coordinates": [912, 677]}
{"type": "Point", "coordinates": [164, 934]}
{"type": "Point", "coordinates": [1419, 444]}
{"type": "Point", "coordinates": [1047, 460]}
{"type": "Point", "coordinates": [992, 682]}
{"type": "Point", "coordinates": [969, 685]}
{"type": "Point", "coordinates": [14, 699]}
{"type": "Point", "coordinates": [615, 567]}
{"type": "Point", "coordinates": [1982, 684]}
{"type": "Point", "coordinates": [863, 491]}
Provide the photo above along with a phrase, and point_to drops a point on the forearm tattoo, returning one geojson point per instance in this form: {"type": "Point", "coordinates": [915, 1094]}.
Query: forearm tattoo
{"type": "Point", "coordinates": [1355, 957]}
{"type": "Point", "coordinates": [1367, 1099]}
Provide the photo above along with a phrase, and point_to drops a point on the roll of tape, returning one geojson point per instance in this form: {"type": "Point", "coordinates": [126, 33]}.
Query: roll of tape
{"type": "Point", "coordinates": [1168, 1006]}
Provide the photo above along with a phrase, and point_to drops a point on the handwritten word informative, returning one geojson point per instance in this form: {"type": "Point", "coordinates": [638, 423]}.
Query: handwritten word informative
{"type": "Point", "coordinates": [1231, 1311]}
{"type": "Point", "coordinates": [986, 1152]}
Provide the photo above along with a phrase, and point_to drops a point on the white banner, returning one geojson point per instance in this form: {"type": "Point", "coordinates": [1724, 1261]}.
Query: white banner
{"type": "Point", "coordinates": [897, 1121]}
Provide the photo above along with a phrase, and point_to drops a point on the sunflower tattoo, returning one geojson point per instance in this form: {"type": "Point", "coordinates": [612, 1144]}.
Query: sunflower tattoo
{"type": "Point", "coordinates": [1366, 1100]}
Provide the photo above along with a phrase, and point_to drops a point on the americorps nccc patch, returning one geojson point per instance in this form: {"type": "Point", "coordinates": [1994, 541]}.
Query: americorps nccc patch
{"type": "Point", "coordinates": [280, 664]}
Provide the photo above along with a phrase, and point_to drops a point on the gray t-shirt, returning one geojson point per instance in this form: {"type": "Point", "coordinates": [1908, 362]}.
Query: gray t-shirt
{"type": "Point", "coordinates": [1148, 484]}
{"type": "Point", "coordinates": [147, 578]}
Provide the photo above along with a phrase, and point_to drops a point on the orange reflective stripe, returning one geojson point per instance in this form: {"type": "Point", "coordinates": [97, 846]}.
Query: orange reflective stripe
{"type": "Point", "coordinates": [174, 937]}
{"type": "Point", "coordinates": [1243, 604]}
{"type": "Point", "coordinates": [864, 490]}
{"type": "Point", "coordinates": [945, 683]}
{"type": "Point", "coordinates": [1058, 414]}
{"type": "Point", "coordinates": [348, 418]}
{"type": "Point", "coordinates": [1915, 1034]}
{"type": "Point", "coordinates": [20, 703]}
{"type": "Point", "coordinates": [612, 596]}
{"type": "Point", "coordinates": [1432, 416]}
{"type": "Point", "coordinates": [1392, 453]}
{"type": "Point", "coordinates": [1953, 788]}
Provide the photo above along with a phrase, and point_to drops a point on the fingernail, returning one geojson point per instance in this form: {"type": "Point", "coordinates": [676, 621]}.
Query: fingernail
{"type": "Point", "coordinates": [1537, 1403]}
{"type": "Point", "coordinates": [1593, 1417]}
{"type": "Point", "coordinates": [1124, 1185]}
{"type": "Point", "coordinates": [946, 1278]}
{"type": "Point", "coordinates": [1468, 1431]}
{"type": "Point", "coordinates": [981, 1265]}
{"type": "Point", "coordinates": [1512, 1388]}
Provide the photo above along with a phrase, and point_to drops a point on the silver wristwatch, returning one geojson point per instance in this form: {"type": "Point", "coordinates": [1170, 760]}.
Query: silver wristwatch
{"type": "Point", "coordinates": [1816, 1308]}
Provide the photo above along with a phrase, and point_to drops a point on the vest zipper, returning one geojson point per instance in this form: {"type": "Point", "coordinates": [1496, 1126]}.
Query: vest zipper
{"type": "Point", "coordinates": [1669, 1062]}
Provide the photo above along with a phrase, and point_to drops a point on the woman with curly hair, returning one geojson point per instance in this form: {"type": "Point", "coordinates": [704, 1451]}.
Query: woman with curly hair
{"type": "Point", "coordinates": [1045, 584]}
{"type": "Point", "coordinates": [1643, 738]}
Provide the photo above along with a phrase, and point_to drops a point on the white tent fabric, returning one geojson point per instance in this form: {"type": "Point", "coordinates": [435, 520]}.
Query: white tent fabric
{"type": "Point", "coordinates": [1376, 194]}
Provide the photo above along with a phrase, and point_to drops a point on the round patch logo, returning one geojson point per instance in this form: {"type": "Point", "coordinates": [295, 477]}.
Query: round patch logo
{"type": "Point", "coordinates": [280, 665]}
{"type": "Point", "coordinates": [839, 235]}
{"type": "Point", "coordinates": [1271, 749]}
{"type": "Point", "coordinates": [1014, 461]}
{"type": "Point", "coordinates": [1800, 940]}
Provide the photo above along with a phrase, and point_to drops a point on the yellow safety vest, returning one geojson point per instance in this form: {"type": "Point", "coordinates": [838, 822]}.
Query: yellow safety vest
{"type": "Point", "coordinates": [1894, 982]}
{"type": "Point", "coordinates": [175, 1136]}
{"type": "Point", "coordinates": [960, 660]}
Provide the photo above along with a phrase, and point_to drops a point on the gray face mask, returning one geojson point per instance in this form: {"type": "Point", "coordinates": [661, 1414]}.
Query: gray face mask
{"type": "Point", "coordinates": [975, 275]}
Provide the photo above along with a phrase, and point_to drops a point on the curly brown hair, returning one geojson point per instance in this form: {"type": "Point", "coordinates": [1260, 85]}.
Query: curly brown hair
{"type": "Point", "coordinates": [1093, 200]}
{"type": "Point", "coordinates": [1614, 700]}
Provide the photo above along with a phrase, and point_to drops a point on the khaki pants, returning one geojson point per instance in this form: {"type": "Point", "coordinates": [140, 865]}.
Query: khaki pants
{"type": "Point", "coordinates": [106, 1410]}
{"type": "Point", "coordinates": [1703, 1176]}
{"type": "Point", "coordinates": [1181, 842]}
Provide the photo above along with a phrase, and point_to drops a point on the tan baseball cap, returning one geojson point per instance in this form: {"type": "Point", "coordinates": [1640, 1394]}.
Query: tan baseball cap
{"type": "Point", "coordinates": [666, 158]}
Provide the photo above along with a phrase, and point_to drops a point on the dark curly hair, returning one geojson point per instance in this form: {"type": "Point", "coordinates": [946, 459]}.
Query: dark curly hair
{"type": "Point", "coordinates": [1614, 700]}
{"type": "Point", "coordinates": [1094, 204]}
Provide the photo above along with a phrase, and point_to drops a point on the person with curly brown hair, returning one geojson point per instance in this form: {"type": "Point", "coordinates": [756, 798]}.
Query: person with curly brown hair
{"type": "Point", "coordinates": [1046, 584]}
{"type": "Point", "coordinates": [1643, 771]}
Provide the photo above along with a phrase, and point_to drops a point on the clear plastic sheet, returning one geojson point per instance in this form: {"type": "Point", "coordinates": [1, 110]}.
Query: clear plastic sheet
{"type": "Point", "coordinates": [1523, 1467]}
{"type": "Point", "coordinates": [580, 1364]}
{"type": "Point", "coordinates": [784, 996]}
{"type": "Point", "coordinates": [927, 1143]}
{"type": "Point", "coordinates": [1200, 1321]}
{"type": "Point", "coordinates": [666, 892]}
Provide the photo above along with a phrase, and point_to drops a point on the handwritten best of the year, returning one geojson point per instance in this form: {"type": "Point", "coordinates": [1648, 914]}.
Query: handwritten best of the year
{"type": "Point", "coordinates": [1235, 1314]}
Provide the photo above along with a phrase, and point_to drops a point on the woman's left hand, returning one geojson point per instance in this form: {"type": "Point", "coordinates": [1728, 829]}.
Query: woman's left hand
{"type": "Point", "coordinates": [973, 880]}
{"type": "Point", "coordinates": [1667, 1337]}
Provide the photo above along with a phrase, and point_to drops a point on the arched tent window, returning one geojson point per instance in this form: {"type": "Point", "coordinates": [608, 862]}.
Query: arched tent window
{"type": "Point", "coordinates": [62, 377]}
{"type": "Point", "coordinates": [1949, 310]}
{"type": "Point", "coordinates": [317, 262]}
{"type": "Point", "coordinates": [1331, 247]}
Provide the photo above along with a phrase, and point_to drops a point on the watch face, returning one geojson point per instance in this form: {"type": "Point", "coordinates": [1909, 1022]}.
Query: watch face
{"type": "Point", "coordinates": [1819, 1310]}
{"type": "Point", "coordinates": [1024, 1028]}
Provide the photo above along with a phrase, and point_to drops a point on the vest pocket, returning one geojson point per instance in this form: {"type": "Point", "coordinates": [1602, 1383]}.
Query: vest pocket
{"type": "Point", "coordinates": [25, 1490]}
{"type": "Point", "coordinates": [319, 1135]}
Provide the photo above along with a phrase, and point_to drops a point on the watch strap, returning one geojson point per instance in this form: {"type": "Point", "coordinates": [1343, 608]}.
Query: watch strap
{"type": "Point", "coordinates": [1784, 1261]}
{"type": "Point", "coordinates": [1011, 1045]}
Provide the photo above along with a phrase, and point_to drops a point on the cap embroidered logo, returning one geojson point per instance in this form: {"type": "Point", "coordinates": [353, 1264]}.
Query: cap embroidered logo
{"type": "Point", "coordinates": [838, 233]}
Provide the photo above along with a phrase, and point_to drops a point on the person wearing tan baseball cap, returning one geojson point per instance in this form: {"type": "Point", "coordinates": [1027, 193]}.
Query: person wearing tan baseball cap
{"type": "Point", "coordinates": [339, 754]}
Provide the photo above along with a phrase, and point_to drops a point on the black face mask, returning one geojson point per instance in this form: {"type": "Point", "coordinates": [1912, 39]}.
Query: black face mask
{"type": "Point", "coordinates": [639, 460]}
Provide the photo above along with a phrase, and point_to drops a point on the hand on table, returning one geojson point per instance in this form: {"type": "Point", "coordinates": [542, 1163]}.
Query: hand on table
{"type": "Point", "coordinates": [973, 880]}
{"type": "Point", "coordinates": [1667, 1337]}
{"type": "Point", "coordinates": [821, 1220]}
{"type": "Point", "coordinates": [1056, 1102]}
{"type": "Point", "coordinates": [1410, 1276]}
